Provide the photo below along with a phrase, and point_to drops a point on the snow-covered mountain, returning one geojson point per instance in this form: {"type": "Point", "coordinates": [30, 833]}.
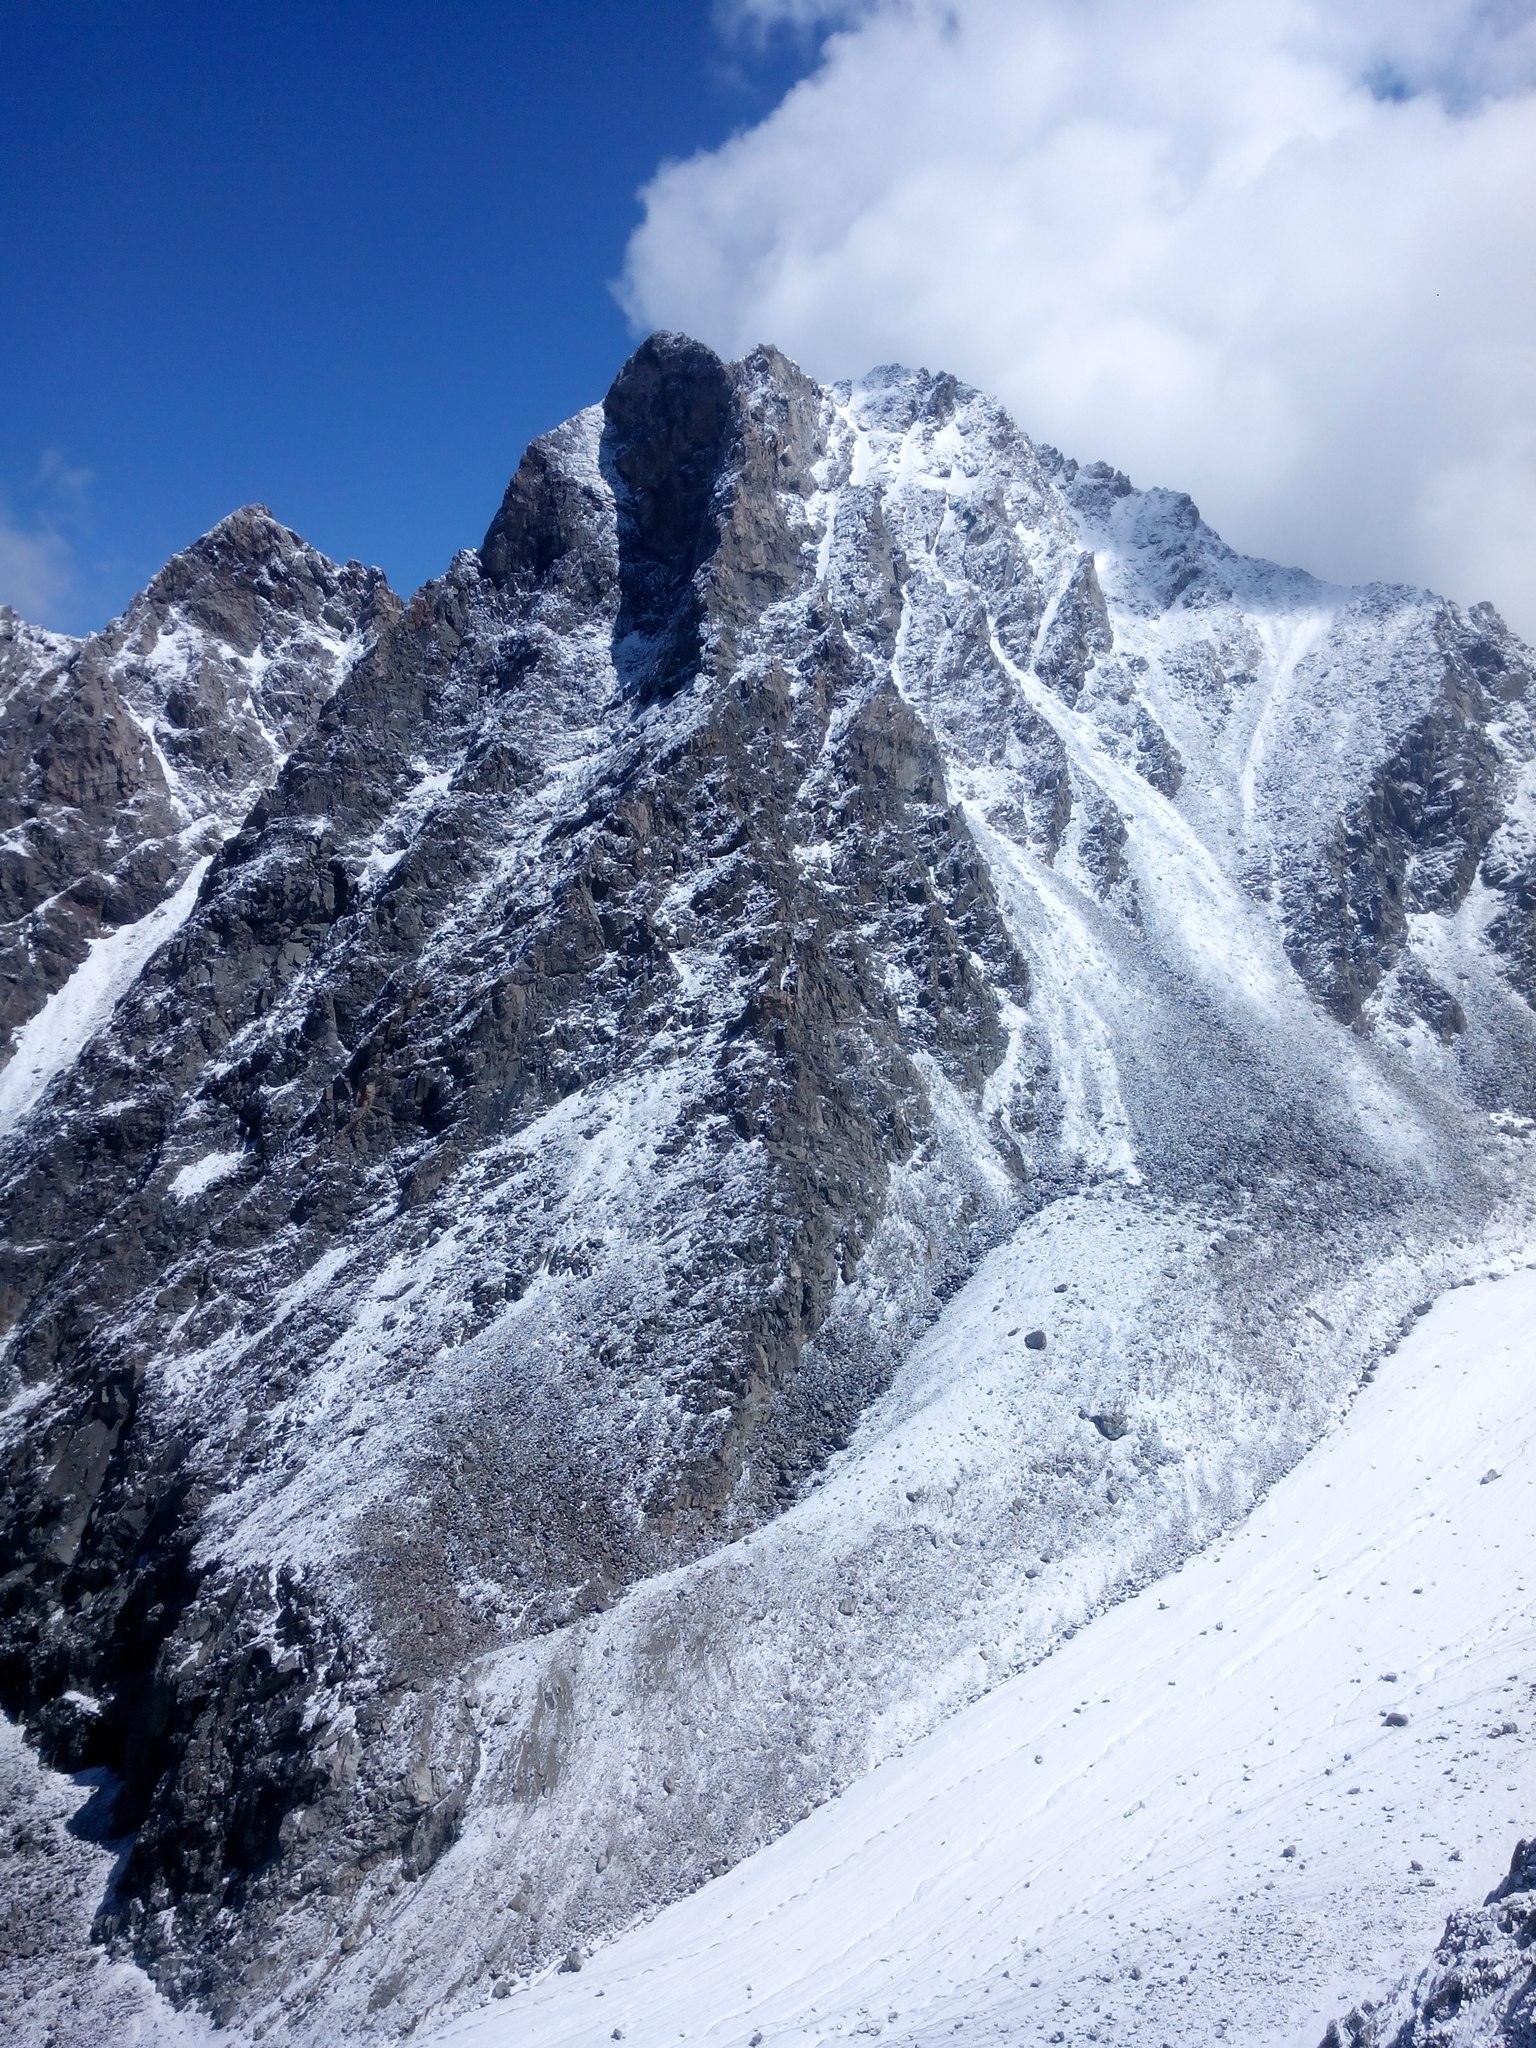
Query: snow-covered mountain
{"type": "Point", "coordinates": [821, 1060]}
{"type": "Point", "coordinates": [126, 759]}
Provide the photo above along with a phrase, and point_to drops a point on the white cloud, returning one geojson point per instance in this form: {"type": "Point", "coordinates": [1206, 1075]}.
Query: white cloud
{"type": "Point", "coordinates": [759, 18]}
{"type": "Point", "coordinates": [1276, 253]}
{"type": "Point", "coordinates": [37, 562]}
{"type": "Point", "coordinates": [36, 570]}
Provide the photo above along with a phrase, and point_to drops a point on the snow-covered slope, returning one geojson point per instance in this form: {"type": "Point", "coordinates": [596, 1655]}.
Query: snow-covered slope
{"type": "Point", "coordinates": [1246, 1794]}
{"type": "Point", "coordinates": [52, 1040]}
{"type": "Point", "coordinates": [55, 1985]}
{"type": "Point", "coordinates": [829, 1056]}
{"type": "Point", "coordinates": [1478, 1989]}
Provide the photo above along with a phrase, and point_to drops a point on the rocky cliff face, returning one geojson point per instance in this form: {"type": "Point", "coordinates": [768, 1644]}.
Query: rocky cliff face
{"type": "Point", "coordinates": [126, 757]}
{"type": "Point", "coordinates": [503, 1374]}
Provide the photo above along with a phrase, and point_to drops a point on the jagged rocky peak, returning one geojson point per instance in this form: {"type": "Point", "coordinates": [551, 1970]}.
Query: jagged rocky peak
{"type": "Point", "coordinates": [821, 858]}
{"type": "Point", "coordinates": [535, 893]}
{"type": "Point", "coordinates": [687, 468]}
{"type": "Point", "coordinates": [231, 650]}
{"type": "Point", "coordinates": [126, 757]}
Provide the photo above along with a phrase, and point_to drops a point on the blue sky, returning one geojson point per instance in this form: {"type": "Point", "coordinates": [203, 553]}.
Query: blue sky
{"type": "Point", "coordinates": [349, 256]}
{"type": "Point", "coordinates": [345, 259]}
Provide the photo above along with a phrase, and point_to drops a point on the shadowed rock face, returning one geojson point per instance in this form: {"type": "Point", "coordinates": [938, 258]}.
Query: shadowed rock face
{"type": "Point", "coordinates": [125, 757]}
{"type": "Point", "coordinates": [1414, 842]}
{"type": "Point", "coordinates": [814, 835]}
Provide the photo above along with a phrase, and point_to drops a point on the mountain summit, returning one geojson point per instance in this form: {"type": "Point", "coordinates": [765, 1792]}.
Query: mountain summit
{"type": "Point", "coordinates": [824, 1056]}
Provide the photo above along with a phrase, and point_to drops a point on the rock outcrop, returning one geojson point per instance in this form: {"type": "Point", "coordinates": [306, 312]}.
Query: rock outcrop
{"type": "Point", "coordinates": [1479, 1988]}
{"type": "Point", "coordinates": [126, 757]}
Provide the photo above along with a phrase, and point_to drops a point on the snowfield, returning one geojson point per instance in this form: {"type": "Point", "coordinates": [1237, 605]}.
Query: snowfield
{"type": "Point", "coordinates": [1226, 1809]}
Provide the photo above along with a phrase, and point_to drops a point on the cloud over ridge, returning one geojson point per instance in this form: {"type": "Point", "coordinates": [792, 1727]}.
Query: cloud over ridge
{"type": "Point", "coordinates": [1279, 255]}
{"type": "Point", "coordinates": [36, 568]}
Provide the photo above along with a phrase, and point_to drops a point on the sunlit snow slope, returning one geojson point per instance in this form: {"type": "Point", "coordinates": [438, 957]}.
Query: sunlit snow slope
{"type": "Point", "coordinates": [47, 1043]}
{"type": "Point", "coordinates": [1194, 1821]}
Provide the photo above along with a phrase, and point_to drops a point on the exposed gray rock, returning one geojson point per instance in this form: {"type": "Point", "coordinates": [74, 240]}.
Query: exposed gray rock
{"type": "Point", "coordinates": [1413, 842]}
{"type": "Point", "coordinates": [1077, 633]}
{"type": "Point", "coordinates": [126, 756]}
{"type": "Point", "coordinates": [1479, 1988]}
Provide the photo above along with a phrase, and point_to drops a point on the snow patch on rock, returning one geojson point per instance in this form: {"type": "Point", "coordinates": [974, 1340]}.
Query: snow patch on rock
{"type": "Point", "coordinates": [51, 1041]}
